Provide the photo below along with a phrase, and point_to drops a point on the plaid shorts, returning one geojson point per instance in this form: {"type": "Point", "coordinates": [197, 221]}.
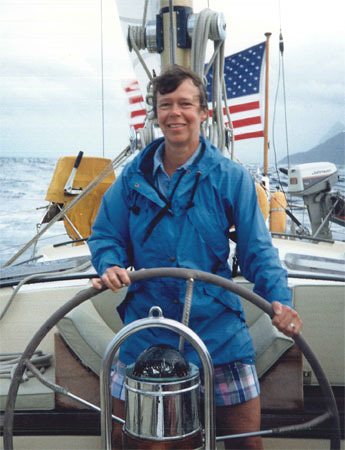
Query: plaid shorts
{"type": "Point", "coordinates": [234, 383]}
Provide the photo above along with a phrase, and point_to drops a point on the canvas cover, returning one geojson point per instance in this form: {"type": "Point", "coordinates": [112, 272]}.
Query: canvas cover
{"type": "Point", "coordinates": [84, 212]}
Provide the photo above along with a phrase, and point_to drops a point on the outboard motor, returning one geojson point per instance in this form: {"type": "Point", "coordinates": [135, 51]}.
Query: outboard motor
{"type": "Point", "coordinates": [314, 182]}
{"type": "Point", "coordinates": [162, 402]}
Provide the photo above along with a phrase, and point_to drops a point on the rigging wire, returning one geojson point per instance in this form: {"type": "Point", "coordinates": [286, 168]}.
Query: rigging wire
{"type": "Point", "coordinates": [172, 33]}
{"type": "Point", "coordinates": [275, 109]}
{"type": "Point", "coordinates": [280, 77]}
{"type": "Point", "coordinates": [102, 74]}
{"type": "Point", "coordinates": [281, 48]}
{"type": "Point", "coordinates": [145, 13]}
{"type": "Point", "coordinates": [273, 127]}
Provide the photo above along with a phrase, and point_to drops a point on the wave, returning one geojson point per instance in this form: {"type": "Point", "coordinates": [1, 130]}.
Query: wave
{"type": "Point", "coordinates": [23, 185]}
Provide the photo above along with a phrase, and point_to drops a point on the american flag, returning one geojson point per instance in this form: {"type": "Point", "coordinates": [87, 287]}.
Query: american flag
{"type": "Point", "coordinates": [242, 75]}
{"type": "Point", "coordinates": [137, 111]}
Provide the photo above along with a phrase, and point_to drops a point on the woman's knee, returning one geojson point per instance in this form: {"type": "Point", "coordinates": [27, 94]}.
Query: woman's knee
{"type": "Point", "coordinates": [239, 419]}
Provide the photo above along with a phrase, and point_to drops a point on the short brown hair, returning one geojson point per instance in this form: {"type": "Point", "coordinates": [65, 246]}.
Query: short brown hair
{"type": "Point", "coordinates": [171, 78]}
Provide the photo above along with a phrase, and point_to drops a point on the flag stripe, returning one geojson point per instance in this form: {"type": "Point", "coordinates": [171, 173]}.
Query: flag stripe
{"type": "Point", "coordinates": [137, 111]}
{"type": "Point", "coordinates": [136, 99]}
{"type": "Point", "coordinates": [243, 121]}
{"type": "Point", "coordinates": [246, 122]}
{"type": "Point", "coordinates": [243, 115]}
{"type": "Point", "coordinates": [136, 120]}
{"type": "Point", "coordinates": [244, 107]}
{"type": "Point", "coordinates": [132, 86]}
{"type": "Point", "coordinates": [253, 134]}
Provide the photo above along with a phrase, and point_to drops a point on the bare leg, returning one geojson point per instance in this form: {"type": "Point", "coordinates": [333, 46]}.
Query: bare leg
{"type": "Point", "coordinates": [116, 436]}
{"type": "Point", "coordinates": [240, 419]}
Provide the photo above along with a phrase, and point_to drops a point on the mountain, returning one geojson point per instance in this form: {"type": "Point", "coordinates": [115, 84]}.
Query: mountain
{"type": "Point", "coordinates": [332, 150]}
{"type": "Point", "coordinates": [338, 127]}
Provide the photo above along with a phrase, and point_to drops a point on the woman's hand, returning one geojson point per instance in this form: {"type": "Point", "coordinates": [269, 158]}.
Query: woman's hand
{"type": "Point", "coordinates": [286, 319]}
{"type": "Point", "coordinates": [113, 278]}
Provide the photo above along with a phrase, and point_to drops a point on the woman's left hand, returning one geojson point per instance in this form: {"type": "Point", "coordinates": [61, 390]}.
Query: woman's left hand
{"type": "Point", "coordinates": [286, 319]}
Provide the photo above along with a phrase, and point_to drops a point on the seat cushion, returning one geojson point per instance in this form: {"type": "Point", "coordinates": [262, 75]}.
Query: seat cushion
{"type": "Point", "coordinates": [106, 304]}
{"type": "Point", "coordinates": [89, 328]}
{"type": "Point", "coordinates": [32, 394]}
{"type": "Point", "coordinates": [86, 334]}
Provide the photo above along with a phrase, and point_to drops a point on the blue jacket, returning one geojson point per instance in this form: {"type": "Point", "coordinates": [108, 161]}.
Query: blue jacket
{"type": "Point", "coordinates": [135, 227]}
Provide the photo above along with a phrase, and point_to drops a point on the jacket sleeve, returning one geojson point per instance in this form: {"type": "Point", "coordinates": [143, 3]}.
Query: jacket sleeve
{"type": "Point", "coordinates": [109, 242]}
{"type": "Point", "coordinates": [258, 258]}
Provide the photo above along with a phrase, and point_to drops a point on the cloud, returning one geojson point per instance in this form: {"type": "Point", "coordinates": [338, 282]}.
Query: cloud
{"type": "Point", "coordinates": [51, 71]}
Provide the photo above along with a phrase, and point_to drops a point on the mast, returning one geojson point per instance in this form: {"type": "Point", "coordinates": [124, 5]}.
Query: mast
{"type": "Point", "coordinates": [173, 52]}
{"type": "Point", "coordinates": [265, 169]}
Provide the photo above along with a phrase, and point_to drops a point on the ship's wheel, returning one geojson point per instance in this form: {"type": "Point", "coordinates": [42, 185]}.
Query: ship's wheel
{"type": "Point", "coordinates": [331, 411]}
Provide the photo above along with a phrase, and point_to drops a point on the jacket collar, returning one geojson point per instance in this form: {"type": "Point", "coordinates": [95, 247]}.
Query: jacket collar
{"type": "Point", "coordinates": [140, 171]}
{"type": "Point", "coordinates": [208, 158]}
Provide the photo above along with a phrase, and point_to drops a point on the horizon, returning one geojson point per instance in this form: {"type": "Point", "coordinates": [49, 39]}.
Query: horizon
{"type": "Point", "coordinates": [338, 126]}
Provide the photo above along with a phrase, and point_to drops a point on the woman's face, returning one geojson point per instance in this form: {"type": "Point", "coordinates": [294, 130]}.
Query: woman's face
{"type": "Point", "coordinates": [179, 115]}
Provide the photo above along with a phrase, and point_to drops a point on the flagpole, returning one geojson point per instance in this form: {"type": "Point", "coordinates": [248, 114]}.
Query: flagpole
{"type": "Point", "coordinates": [265, 170]}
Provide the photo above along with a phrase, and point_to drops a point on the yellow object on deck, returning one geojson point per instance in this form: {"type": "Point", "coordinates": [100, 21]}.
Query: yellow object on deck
{"type": "Point", "coordinates": [262, 200]}
{"type": "Point", "coordinates": [83, 213]}
{"type": "Point", "coordinates": [277, 212]}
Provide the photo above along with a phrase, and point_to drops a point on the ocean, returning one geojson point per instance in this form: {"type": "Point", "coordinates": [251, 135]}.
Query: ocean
{"type": "Point", "coordinates": [23, 186]}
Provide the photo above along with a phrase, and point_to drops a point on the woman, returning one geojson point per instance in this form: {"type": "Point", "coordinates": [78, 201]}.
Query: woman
{"type": "Point", "coordinates": [173, 206]}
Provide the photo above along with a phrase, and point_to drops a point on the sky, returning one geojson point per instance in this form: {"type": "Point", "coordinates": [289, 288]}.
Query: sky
{"type": "Point", "coordinates": [51, 84]}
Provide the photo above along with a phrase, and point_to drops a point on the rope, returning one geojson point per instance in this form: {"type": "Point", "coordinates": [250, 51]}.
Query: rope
{"type": "Point", "coordinates": [137, 33]}
{"type": "Point", "coordinates": [206, 27]}
{"type": "Point", "coordinates": [186, 310]}
{"type": "Point", "coordinates": [63, 391]}
{"type": "Point", "coordinates": [137, 40]}
{"type": "Point", "coordinates": [9, 362]}
{"type": "Point", "coordinates": [145, 13]}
